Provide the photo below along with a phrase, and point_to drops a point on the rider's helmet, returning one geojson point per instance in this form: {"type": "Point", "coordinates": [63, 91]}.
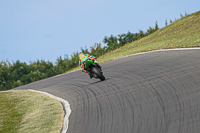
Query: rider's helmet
{"type": "Point", "coordinates": [80, 55]}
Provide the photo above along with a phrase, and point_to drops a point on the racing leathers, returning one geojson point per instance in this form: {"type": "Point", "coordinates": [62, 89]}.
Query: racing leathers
{"type": "Point", "coordinates": [81, 63]}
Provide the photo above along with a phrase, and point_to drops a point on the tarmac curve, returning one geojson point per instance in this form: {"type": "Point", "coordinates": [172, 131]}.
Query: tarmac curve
{"type": "Point", "coordinates": [156, 92]}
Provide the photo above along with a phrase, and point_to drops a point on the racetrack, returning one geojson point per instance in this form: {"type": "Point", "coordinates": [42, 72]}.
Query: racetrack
{"type": "Point", "coordinates": [156, 92]}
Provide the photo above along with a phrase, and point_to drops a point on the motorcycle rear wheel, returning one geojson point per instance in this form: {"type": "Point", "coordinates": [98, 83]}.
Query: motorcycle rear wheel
{"type": "Point", "coordinates": [98, 73]}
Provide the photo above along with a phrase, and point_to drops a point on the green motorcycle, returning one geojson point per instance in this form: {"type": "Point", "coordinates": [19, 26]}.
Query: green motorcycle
{"type": "Point", "coordinates": [94, 68]}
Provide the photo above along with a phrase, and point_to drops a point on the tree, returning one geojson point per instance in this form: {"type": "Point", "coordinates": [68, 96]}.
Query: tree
{"type": "Point", "coordinates": [85, 51]}
{"type": "Point", "coordinates": [5, 82]}
{"type": "Point", "coordinates": [135, 36]}
{"type": "Point", "coordinates": [156, 26]}
{"type": "Point", "coordinates": [122, 40]}
{"type": "Point", "coordinates": [186, 14]}
{"type": "Point", "coordinates": [141, 34]}
{"type": "Point", "coordinates": [60, 65]}
{"type": "Point", "coordinates": [150, 31]}
{"type": "Point", "coordinates": [74, 60]}
{"type": "Point", "coordinates": [18, 70]}
{"type": "Point", "coordinates": [111, 42]}
{"type": "Point", "coordinates": [129, 37]}
{"type": "Point", "coordinates": [96, 50]}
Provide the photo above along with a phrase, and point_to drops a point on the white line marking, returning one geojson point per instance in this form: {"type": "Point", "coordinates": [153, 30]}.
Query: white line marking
{"type": "Point", "coordinates": [161, 50]}
{"type": "Point", "coordinates": [66, 107]}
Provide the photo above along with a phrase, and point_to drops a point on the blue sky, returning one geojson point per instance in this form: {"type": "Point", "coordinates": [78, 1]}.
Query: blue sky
{"type": "Point", "coordinates": [32, 30]}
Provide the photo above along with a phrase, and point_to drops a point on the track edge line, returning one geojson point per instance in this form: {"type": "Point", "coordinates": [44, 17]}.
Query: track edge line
{"type": "Point", "coordinates": [66, 108]}
{"type": "Point", "coordinates": [160, 50]}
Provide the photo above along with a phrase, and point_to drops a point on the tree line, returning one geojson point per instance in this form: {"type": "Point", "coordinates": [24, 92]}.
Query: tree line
{"type": "Point", "coordinates": [19, 73]}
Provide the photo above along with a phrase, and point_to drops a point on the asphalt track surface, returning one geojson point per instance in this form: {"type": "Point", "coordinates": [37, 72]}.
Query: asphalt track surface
{"type": "Point", "coordinates": [158, 92]}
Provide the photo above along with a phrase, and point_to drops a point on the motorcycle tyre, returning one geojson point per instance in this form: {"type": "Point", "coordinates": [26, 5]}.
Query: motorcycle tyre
{"type": "Point", "coordinates": [98, 73]}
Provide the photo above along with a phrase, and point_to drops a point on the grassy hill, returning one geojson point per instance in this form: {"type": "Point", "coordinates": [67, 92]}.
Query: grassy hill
{"type": "Point", "coordinates": [184, 32]}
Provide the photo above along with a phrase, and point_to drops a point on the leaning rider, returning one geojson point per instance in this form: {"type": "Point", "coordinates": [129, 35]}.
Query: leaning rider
{"type": "Point", "coordinates": [81, 63]}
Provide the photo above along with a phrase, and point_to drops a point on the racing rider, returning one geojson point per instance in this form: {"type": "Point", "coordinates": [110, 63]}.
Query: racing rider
{"type": "Point", "coordinates": [81, 63]}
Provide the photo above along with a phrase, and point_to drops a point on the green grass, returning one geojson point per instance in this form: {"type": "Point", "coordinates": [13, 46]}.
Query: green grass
{"type": "Point", "coordinates": [29, 112]}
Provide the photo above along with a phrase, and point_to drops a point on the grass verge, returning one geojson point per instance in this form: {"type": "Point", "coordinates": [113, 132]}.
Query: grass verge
{"type": "Point", "coordinates": [22, 111]}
